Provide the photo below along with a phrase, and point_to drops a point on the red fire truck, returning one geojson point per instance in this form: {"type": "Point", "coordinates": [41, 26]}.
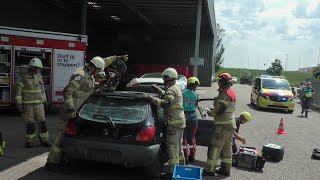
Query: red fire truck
{"type": "Point", "coordinates": [61, 55]}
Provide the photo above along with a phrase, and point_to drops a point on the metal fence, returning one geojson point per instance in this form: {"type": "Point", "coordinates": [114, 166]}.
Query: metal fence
{"type": "Point", "coordinates": [316, 88]}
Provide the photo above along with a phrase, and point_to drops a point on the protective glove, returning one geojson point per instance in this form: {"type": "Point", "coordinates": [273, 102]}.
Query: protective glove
{"type": "Point", "coordinates": [71, 113]}
{"type": "Point", "coordinates": [45, 104]}
{"type": "Point", "coordinates": [145, 95]}
{"type": "Point", "coordinates": [19, 108]}
{"type": "Point", "coordinates": [2, 147]}
{"type": "Point", "coordinates": [123, 57]}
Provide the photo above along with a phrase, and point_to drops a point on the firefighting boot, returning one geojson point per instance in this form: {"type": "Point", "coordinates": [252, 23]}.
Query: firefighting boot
{"type": "Point", "coordinates": [45, 144]}
{"type": "Point", "coordinates": [29, 144]}
{"type": "Point", "coordinates": [167, 176]}
{"type": "Point", "coordinates": [208, 173]}
{"type": "Point", "coordinates": [223, 170]}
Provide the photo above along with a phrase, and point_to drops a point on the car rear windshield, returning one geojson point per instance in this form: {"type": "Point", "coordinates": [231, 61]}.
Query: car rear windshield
{"type": "Point", "coordinates": [275, 84]}
{"type": "Point", "coordinates": [119, 110]}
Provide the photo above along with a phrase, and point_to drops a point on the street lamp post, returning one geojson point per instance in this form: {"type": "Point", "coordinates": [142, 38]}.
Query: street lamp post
{"type": "Point", "coordinates": [285, 70]}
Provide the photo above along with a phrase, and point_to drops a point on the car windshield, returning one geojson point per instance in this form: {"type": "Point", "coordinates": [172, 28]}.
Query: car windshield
{"type": "Point", "coordinates": [275, 84]}
{"type": "Point", "coordinates": [119, 110]}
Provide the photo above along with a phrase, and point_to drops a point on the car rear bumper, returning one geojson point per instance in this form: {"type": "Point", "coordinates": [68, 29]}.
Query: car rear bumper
{"type": "Point", "coordinates": [265, 103]}
{"type": "Point", "coordinates": [123, 154]}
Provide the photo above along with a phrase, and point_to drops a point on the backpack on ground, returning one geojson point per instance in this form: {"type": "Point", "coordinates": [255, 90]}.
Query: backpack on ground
{"type": "Point", "coordinates": [273, 152]}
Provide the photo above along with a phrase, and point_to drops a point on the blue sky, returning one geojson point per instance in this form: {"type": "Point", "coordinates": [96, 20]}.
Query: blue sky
{"type": "Point", "coordinates": [259, 31]}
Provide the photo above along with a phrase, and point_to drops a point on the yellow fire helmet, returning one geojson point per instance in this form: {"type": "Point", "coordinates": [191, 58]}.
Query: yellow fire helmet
{"type": "Point", "coordinates": [308, 95]}
{"type": "Point", "coordinates": [192, 80]}
{"type": "Point", "coordinates": [246, 115]}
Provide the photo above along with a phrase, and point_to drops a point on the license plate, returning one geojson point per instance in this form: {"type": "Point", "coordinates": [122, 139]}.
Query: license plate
{"type": "Point", "coordinates": [96, 154]}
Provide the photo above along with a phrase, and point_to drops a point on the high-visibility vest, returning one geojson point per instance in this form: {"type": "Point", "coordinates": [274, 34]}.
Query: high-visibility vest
{"type": "Point", "coordinates": [190, 99]}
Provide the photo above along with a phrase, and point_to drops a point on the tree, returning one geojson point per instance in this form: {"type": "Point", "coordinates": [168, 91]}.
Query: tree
{"type": "Point", "coordinates": [219, 48]}
{"type": "Point", "coordinates": [276, 68]}
{"type": "Point", "coordinates": [245, 73]}
{"type": "Point", "coordinates": [316, 72]}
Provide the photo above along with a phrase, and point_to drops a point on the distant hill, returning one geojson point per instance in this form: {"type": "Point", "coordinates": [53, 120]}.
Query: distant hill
{"type": "Point", "coordinates": [293, 77]}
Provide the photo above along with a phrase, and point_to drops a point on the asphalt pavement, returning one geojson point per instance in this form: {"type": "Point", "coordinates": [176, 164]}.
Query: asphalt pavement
{"type": "Point", "coordinates": [301, 138]}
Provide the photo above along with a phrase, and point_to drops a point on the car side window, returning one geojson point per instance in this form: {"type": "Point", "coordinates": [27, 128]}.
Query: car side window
{"type": "Point", "coordinates": [257, 83]}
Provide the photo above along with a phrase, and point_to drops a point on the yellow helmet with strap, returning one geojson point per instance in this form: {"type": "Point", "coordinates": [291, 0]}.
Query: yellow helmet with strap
{"type": "Point", "coordinates": [35, 62]}
{"type": "Point", "coordinates": [246, 115]}
{"type": "Point", "coordinates": [193, 80]}
{"type": "Point", "coordinates": [308, 95]}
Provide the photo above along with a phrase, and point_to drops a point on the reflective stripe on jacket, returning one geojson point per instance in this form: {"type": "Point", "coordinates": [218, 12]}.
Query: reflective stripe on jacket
{"type": "Point", "coordinates": [174, 113]}
{"type": "Point", "coordinates": [79, 88]}
{"type": "Point", "coordinates": [227, 118]}
{"type": "Point", "coordinates": [30, 89]}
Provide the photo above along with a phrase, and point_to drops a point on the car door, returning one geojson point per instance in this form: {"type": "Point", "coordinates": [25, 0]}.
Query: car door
{"type": "Point", "coordinates": [255, 89]}
{"type": "Point", "coordinates": [205, 123]}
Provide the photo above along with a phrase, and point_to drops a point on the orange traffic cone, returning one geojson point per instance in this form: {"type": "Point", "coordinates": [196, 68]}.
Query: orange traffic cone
{"type": "Point", "coordinates": [281, 128]}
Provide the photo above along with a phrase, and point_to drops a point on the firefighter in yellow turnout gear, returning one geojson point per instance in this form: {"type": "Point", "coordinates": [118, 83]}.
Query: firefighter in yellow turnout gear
{"type": "Point", "coordinates": [75, 93]}
{"type": "Point", "coordinates": [171, 101]}
{"type": "Point", "coordinates": [30, 99]}
{"type": "Point", "coordinates": [225, 126]}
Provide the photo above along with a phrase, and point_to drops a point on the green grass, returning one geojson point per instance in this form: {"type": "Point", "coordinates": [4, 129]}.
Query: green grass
{"type": "Point", "coordinates": [293, 77]}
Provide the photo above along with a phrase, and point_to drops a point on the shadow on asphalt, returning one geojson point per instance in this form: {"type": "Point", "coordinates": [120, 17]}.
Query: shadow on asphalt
{"type": "Point", "coordinates": [88, 170]}
{"type": "Point", "coordinates": [248, 170]}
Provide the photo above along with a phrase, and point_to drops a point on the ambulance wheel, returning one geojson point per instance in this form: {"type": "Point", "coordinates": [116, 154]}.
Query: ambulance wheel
{"type": "Point", "coordinates": [290, 111]}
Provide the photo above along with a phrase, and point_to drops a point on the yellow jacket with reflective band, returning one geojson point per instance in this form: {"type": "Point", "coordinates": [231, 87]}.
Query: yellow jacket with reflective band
{"type": "Point", "coordinates": [174, 114]}
{"type": "Point", "coordinates": [227, 118]}
{"type": "Point", "coordinates": [30, 89]}
{"type": "Point", "coordinates": [78, 89]}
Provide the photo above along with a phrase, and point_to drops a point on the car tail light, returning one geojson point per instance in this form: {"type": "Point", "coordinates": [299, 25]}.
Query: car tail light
{"type": "Point", "coordinates": [146, 134]}
{"type": "Point", "coordinates": [71, 128]}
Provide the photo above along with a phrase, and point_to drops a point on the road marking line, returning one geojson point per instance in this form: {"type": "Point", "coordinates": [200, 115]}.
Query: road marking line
{"type": "Point", "coordinates": [22, 169]}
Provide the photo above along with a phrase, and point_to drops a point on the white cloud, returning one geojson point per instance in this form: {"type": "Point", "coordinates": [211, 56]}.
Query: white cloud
{"type": "Point", "coordinates": [269, 29]}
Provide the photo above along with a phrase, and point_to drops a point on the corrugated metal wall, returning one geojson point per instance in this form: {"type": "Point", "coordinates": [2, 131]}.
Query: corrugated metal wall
{"type": "Point", "coordinates": [36, 14]}
{"type": "Point", "coordinates": [164, 45]}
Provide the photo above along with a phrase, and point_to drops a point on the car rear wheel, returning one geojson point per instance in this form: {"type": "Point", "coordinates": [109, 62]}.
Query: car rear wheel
{"type": "Point", "coordinates": [290, 111]}
{"type": "Point", "coordinates": [67, 165]}
{"type": "Point", "coordinates": [153, 171]}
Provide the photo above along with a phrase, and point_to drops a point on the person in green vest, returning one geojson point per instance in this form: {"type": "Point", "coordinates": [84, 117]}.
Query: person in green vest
{"type": "Point", "coordinates": [190, 102]}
